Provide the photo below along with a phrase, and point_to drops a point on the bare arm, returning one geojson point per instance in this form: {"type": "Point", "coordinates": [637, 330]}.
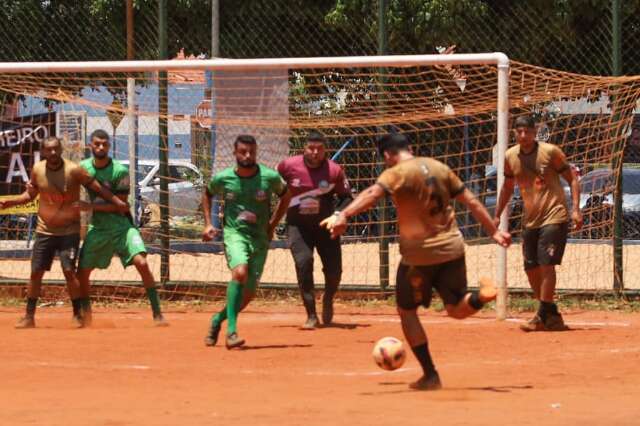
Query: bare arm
{"type": "Point", "coordinates": [337, 223]}
{"type": "Point", "coordinates": [503, 199]}
{"type": "Point", "coordinates": [209, 232]}
{"type": "Point", "coordinates": [576, 215]}
{"type": "Point", "coordinates": [119, 205]}
{"type": "Point", "coordinates": [28, 195]}
{"type": "Point", "coordinates": [481, 214]}
{"type": "Point", "coordinates": [281, 209]}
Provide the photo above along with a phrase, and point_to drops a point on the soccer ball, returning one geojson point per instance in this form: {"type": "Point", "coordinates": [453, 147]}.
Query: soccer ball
{"type": "Point", "coordinates": [389, 353]}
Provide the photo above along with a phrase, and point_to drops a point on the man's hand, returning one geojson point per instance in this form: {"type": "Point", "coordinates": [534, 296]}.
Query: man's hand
{"type": "Point", "coordinates": [4, 204]}
{"type": "Point", "coordinates": [81, 206]}
{"type": "Point", "coordinates": [209, 233]}
{"type": "Point", "coordinates": [336, 224]}
{"type": "Point", "coordinates": [496, 221]}
{"type": "Point", "coordinates": [122, 207]}
{"type": "Point", "coordinates": [502, 238]}
{"type": "Point", "coordinates": [576, 218]}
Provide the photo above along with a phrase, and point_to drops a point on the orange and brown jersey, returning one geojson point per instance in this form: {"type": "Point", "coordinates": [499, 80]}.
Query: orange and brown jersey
{"type": "Point", "coordinates": [538, 176]}
{"type": "Point", "coordinates": [422, 189]}
{"type": "Point", "coordinates": [58, 190]}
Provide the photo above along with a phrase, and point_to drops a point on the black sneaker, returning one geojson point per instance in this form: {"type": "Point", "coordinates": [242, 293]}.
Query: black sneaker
{"type": "Point", "coordinates": [234, 341]}
{"type": "Point", "coordinates": [554, 322]}
{"type": "Point", "coordinates": [212, 338]}
{"type": "Point", "coordinates": [327, 311]}
{"type": "Point", "coordinates": [427, 383]}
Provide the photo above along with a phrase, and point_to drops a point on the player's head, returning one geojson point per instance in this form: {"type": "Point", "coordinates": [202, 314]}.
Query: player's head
{"type": "Point", "coordinates": [51, 151]}
{"type": "Point", "coordinates": [524, 128]}
{"type": "Point", "coordinates": [391, 146]}
{"type": "Point", "coordinates": [314, 152]}
{"type": "Point", "coordinates": [99, 143]}
{"type": "Point", "coordinates": [245, 149]}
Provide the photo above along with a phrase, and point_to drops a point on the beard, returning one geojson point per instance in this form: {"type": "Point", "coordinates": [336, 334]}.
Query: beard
{"type": "Point", "coordinates": [100, 155]}
{"type": "Point", "coordinates": [246, 164]}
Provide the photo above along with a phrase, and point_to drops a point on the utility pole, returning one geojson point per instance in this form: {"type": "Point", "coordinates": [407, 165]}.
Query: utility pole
{"type": "Point", "coordinates": [163, 146]}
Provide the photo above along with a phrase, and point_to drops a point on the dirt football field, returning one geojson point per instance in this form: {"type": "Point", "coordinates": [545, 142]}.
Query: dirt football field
{"type": "Point", "coordinates": [123, 371]}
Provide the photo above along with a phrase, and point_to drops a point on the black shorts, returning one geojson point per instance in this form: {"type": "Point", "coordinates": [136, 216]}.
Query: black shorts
{"type": "Point", "coordinates": [303, 239]}
{"type": "Point", "coordinates": [47, 246]}
{"type": "Point", "coordinates": [415, 284]}
{"type": "Point", "coordinates": [545, 245]}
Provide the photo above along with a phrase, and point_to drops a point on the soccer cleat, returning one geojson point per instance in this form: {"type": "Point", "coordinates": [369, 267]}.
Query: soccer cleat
{"type": "Point", "coordinates": [487, 291]}
{"type": "Point", "coordinates": [77, 321]}
{"type": "Point", "coordinates": [311, 323]}
{"type": "Point", "coordinates": [534, 324]}
{"type": "Point", "coordinates": [212, 338]}
{"type": "Point", "coordinates": [327, 311]}
{"type": "Point", "coordinates": [159, 321]}
{"type": "Point", "coordinates": [427, 383]}
{"type": "Point", "coordinates": [234, 341]}
{"type": "Point", "coordinates": [554, 322]}
{"type": "Point", "coordinates": [26, 322]}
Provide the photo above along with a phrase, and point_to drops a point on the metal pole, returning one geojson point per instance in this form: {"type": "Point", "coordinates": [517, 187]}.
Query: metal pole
{"type": "Point", "coordinates": [215, 53]}
{"type": "Point", "coordinates": [163, 147]}
{"type": "Point", "coordinates": [133, 148]}
{"type": "Point", "coordinates": [616, 42]}
{"type": "Point", "coordinates": [383, 245]}
{"type": "Point", "coordinates": [132, 124]}
{"type": "Point", "coordinates": [618, 231]}
{"type": "Point", "coordinates": [130, 31]}
{"type": "Point", "coordinates": [503, 141]}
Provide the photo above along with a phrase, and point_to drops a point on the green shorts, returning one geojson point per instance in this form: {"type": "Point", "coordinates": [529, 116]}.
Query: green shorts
{"type": "Point", "coordinates": [101, 244]}
{"type": "Point", "coordinates": [243, 250]}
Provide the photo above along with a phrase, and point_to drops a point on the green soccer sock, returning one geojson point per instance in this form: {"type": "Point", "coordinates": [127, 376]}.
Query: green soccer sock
{"type": "Point", "coordinates": [218, 318]}
{"type": "Point", "coordinates": [152, 294]}
{"type": "Point", "coordinates": [234, 299]}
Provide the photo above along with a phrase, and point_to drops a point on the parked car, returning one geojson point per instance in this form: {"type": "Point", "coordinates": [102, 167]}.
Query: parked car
{"type": "Point", "coordinates": [185, 185]}
{"type": "Point", "coordinates": [596, 202]}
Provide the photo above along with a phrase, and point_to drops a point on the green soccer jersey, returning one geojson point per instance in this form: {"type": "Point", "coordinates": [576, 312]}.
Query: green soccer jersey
{"type": "Point", "coordinates": [115, 177]}
{"type": "Point", "coordinates": [247, 200]}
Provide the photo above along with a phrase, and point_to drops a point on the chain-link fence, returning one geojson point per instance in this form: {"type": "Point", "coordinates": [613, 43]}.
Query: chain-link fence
{"type": "Point", "coordinates": [571, 35]}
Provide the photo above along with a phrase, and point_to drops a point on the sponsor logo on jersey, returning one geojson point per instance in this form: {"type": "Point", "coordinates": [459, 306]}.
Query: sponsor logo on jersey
{"type": "Point", "coordinates": [295, 182]}
{"type": "Point", "coordinates": [261, 195]}
{"type": "Point", "coordinates": [323, 184]}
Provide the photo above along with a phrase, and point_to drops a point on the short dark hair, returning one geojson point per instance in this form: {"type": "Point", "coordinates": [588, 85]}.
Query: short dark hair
{"type": "Point", "coordinates": [52, 139]}
{"type": "Point", "coordinates": [316, 136]}
{"type": "Point", "coordinates": [393, 143]}
{"type": "Point", "coordinates": [99, 134]}
{"type": "Point", "coordinates": [246, 139]}
{"type": "Point", "coordinates": [524, 121]}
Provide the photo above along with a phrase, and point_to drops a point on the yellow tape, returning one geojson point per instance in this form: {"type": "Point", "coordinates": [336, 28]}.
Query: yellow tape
{"type": "Point", "coordinates": [30, 207]}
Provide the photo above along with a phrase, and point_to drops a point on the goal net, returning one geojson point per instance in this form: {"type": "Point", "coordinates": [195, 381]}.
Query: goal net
{"type": "Point", "coordinates": [177, 121]}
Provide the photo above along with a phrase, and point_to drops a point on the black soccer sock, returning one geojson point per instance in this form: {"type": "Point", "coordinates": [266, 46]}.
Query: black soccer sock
{"type": "Point", "coordinates": [77, 306]}
{"type": "Point", "coordinates": [547, 308]}
{"type": "Point", "coordinates": [308, 299]}
{"type": "Point", "coordinates": [32, 302]}
{"type": "Point", "coordinates": [85, 303]}
{"type": "Point", "coordinates": [475, 302]}
{"type": "Point", "coordinates": [424, 358]}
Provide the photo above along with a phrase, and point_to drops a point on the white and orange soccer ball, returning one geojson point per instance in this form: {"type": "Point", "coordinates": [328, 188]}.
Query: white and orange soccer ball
{"type": "Point", "coordinates": [389, 353]}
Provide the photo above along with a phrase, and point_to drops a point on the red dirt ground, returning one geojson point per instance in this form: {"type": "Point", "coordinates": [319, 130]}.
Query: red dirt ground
{"type": "Point", "coordinates": [123, 371]}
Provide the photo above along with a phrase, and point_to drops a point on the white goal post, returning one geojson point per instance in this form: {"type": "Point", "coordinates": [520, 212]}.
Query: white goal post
{"type": "Point", "coordinates": [500, 60]}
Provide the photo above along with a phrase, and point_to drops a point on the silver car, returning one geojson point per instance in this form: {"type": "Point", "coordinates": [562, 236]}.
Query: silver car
{"type": "Point", "coordinates": [185, 185]}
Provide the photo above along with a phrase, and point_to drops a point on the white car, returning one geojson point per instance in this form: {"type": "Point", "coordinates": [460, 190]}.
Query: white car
{"type": "Point", "coordinates": [185, 185]}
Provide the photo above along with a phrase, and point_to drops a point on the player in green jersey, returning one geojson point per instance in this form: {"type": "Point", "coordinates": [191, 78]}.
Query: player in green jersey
{"type": "Point", "coordinates": [248, 227]}
{"type": "Point", "coordinates": [111, 232]}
